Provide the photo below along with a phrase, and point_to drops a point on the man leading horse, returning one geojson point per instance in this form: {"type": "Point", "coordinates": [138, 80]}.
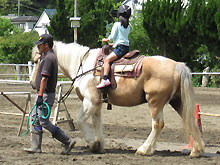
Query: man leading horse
{"type": "Point", "coordinates": [46, 81]}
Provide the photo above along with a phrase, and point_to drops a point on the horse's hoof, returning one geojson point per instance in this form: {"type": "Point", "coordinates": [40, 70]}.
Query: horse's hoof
{"type": "Point", "coordinates": [194, 154]}
{"type": "Point", "coordinates": [140, 153]}
{"type": "Point", "coordinates": [96, 147]}
{"type": "Point", "coordinates": [144, 151]}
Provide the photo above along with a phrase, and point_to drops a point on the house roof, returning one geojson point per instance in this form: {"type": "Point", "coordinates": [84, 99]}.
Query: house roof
{"type": "Point", "coordinates": [25, 19]}
{"type": "Point", "coordinates": [50, 12]}
{"type": "Point", "coordinates": [9, 16]}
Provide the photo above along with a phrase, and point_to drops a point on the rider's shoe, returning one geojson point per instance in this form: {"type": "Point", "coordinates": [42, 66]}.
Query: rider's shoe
{"type": "Point", "coordinates": [103, 83]}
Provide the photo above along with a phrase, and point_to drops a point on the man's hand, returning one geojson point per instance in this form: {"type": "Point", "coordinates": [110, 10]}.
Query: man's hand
{"type": "Point", "coordinates": [39, 100]}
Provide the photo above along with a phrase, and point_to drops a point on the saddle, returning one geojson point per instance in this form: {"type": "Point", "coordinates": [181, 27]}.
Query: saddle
{"type": "Point", "coordinates": [128, 66]}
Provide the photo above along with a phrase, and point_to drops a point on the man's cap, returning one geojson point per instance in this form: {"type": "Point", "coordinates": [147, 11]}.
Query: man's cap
{"type": "Point", "coordinates": [45, 38]}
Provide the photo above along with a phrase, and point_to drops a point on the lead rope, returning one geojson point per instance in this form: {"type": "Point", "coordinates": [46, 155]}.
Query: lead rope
{"type": "Point", "coordinates": [35, 118]}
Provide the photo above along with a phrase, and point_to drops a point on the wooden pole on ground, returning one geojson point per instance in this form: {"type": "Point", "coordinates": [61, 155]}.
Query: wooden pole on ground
{"type": "Point", "coordinates": [24, 111]}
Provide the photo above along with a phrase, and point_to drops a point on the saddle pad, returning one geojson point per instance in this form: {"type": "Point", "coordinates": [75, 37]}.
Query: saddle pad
{"type": "Point", "coordinates": [121, 68]}
{"type": "Point", "coordinates": [135, 72]}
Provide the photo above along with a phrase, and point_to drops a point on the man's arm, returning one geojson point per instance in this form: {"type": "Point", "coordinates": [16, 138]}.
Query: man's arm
{"type": "Point", "coordinates": [43, 85]}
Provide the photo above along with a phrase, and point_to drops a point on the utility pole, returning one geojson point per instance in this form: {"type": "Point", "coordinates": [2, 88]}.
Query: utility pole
{"type": "Point", "coordinates": [75, 21]}
{"type": "Point", "coordinates": [18, 8]}
{"type": "Point", "coordinates": [75, 15]}
{"type": "Point", "coordinates": [75, 8]}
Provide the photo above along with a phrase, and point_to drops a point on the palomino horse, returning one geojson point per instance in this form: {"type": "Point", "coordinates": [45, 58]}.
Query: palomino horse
{"type": "Point", "coordinates": [162, 81]}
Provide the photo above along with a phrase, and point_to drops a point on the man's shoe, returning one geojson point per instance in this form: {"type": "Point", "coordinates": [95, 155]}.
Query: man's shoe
{"type": "Point", "coordinates": [68, 142]}
{"type": "Point", "coordinates": [68, 147]}
{"type": "Point", "coordinates": [35, 143]}
{"type": "Point", "coordinates": [103, 83]}
{"type": "Point", "coordinates": [33, 150]}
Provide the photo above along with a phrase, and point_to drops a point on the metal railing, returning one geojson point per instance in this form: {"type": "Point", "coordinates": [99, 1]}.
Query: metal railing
{"type": "Point", "coordinates": [19, 73]}
{"type": "Point", "coordinates": [205, 73]}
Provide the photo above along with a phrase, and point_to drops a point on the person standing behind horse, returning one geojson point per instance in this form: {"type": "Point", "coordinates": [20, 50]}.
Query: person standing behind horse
{"type": "Point", "coordinates": [119, 35]}
{"type": "Point", "coordinates": [46, 81]}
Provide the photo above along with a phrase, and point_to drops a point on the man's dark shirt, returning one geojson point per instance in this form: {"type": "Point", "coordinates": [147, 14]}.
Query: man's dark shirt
{"type": "Point", "coordinates": [48, 67]}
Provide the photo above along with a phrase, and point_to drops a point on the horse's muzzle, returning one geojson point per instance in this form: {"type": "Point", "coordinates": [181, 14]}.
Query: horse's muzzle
{"type": "Point", "coordinates": [33, 84]}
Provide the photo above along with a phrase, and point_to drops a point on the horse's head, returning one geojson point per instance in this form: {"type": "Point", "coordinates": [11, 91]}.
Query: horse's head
{"type": "Point", "coordinates": [36, 58]}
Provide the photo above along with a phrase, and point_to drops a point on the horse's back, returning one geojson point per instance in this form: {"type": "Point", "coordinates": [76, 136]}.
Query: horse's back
{"type": "Point", "coordinates": [159, 66]}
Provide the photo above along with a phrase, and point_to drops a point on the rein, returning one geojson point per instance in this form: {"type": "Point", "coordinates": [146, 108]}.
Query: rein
{"type": "Point", "coordinates": [63, 98]}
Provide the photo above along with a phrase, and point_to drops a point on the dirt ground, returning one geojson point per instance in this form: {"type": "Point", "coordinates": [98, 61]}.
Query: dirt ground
{"type": "Point", "coordinates": [125, 130]}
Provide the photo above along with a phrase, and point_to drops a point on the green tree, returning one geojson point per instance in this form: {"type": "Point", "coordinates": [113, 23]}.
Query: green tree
{"type": "Point", "coordinates": [17, 48]}
{"type": "Point", "coordinates": [138, 37]}
{"type": "Point", "coordinates": [169, 27]}
{"type": "Point", "coordinates": [11, 7]}
{"type": "Point", "coordinates": [6, 28]}
{"type": "Point", "coordinates": [60, 23]}
{"type": "Point", "coordinates": [95, 14]}
{"type": "Point", "coordinates": [94, 17]}
{"type": "Point", "coordinates": [8, 7]}
{"type": "Point", "coordinates": [206, 18]}
{"type": "Point", "coordinates": [27, 7]}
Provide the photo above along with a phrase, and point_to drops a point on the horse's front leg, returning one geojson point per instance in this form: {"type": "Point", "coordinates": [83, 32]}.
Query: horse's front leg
{"type": "Point", "coordinates": [97, 124]}
{"type": "Point", "coordinates": [148, 148]}
{"type": "Point", "coordinates": [87, 110]}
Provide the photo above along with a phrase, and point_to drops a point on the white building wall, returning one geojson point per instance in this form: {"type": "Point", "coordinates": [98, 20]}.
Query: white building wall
{"type": "Point", "coordinates": [28, 26]}
{"type": "Point", "coordinates": [40, 27]}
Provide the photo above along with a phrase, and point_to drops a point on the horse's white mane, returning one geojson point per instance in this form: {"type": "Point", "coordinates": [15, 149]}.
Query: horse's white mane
{"type": "Point", "coordinates": [70, 48]}
{"type": "Point", "coordinates": [69, 57]}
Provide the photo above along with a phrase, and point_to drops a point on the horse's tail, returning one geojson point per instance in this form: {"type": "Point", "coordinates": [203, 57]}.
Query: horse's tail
{"type": "Point", "coordinates": [188, 106]}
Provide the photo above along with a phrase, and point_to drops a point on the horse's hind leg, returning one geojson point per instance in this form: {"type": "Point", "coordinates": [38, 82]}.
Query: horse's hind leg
{"type": "Point", "coordinates": [149, 145]}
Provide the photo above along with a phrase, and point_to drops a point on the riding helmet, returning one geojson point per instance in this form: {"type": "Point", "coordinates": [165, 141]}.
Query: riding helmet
{"type": "Point", "coordinates": [124, 11]}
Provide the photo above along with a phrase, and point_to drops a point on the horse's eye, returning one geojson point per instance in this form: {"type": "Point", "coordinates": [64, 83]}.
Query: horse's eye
{"type": "Point", "coordinates": [36, 61]}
